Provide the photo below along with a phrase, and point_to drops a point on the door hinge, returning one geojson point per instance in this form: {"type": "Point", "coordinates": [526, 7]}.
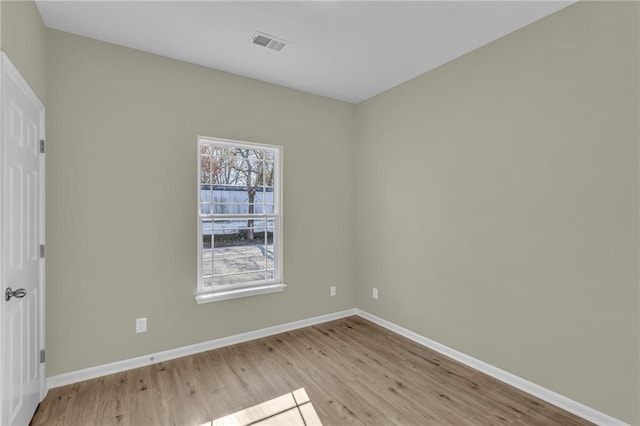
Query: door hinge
{"type": "Point", "coordinates": [42, 250]}
{"type": "Point", "coordinates": [41, 356]}
{"type": "Point", "coordinates": [41, 146]}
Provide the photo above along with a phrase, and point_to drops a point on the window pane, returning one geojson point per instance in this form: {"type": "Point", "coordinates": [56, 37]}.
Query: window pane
{"type": "Point", "coordinates": [206, 193]}
{"type": "Point", "coordinates": [270, 253]}
{"type": "Point", "coordinates": [268, 174]}
{"type": "Point", "coordinates": [266, 209]}
{"type": "Point", "coordinates": [206, 167]}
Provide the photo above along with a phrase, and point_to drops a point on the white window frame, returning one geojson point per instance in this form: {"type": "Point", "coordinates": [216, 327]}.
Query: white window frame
{"type": "Point", "coordinates": [233, 291]}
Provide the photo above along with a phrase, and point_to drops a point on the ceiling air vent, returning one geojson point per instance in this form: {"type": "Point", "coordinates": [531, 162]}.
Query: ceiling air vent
{"type": "Point", "coordinates": [264, 40]}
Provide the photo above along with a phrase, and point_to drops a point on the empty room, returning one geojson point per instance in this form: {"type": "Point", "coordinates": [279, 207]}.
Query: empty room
{"type": "Point", "coordinates": [320, 212]}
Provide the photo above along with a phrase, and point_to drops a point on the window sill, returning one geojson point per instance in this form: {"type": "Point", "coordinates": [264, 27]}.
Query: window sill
{"type": "Point", "coordinates": [217, 296]}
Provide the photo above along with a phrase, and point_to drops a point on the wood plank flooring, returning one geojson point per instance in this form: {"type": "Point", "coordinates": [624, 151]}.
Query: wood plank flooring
{"type": "Point", "coordinates": [354, 372]}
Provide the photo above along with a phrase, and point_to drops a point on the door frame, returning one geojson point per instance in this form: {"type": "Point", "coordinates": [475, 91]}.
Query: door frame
{"type": "Point", "coordinates": [8, 69]}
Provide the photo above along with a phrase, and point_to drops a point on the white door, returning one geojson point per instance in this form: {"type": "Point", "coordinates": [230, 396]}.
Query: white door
{"type": "Point", "coordinates": [21, 232]}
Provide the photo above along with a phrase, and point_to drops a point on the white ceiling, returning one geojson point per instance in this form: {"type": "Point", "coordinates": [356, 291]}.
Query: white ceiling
{"type": "Point", "coordinates": [346, 50]}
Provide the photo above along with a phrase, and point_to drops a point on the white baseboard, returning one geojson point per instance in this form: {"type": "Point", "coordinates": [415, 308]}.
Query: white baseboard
{"type": "Point", "coordinates": [544, 394]}
{"type": "Point", "coordinates": [540, 392]}
{"type": "Point", "coordinates": [141, 361]}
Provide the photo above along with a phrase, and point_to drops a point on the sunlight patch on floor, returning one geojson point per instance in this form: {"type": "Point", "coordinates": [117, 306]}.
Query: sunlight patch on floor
{"type": "Point", "coordinates": [291, 409]}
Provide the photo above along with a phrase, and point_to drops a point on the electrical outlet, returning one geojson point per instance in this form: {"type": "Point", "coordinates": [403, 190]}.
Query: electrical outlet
{"type": "Point", "coordinates": [333, 290]}
{"type": "Point", "coordinates": [141, 325]}
{"type": "Point", "coordinates": [375, 294]}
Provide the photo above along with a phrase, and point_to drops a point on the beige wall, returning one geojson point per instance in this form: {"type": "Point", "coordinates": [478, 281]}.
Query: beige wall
{"type": "Point", "coordinates": [122, 200]}
{"type": "Point", "coordinates": [23, 39]}
{"type": "Point", "coordinates": [497, 205]}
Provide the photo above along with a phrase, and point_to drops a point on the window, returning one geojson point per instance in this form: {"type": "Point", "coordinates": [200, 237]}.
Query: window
{"type": "Point", "coordinates": [239, 219]}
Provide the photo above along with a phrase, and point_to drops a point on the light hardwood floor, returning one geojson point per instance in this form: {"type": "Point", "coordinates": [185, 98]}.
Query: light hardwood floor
{"type": "Point", "coordinates": [354, 372]}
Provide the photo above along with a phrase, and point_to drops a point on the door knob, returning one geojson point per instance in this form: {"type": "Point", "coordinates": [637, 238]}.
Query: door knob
{"type": "Point", "coordinates": [19, 293]}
